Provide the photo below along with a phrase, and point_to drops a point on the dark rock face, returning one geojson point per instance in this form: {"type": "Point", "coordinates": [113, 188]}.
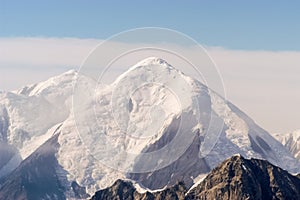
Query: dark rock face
{"type": "Point", "coordinates": [119, 190]}
{"type": "Point", "coordinates": [79, 191]}
{"type": "Point", "coordinates": [176, 192]}
{"type": "Point", "coordinates": [235, 178]}
{"type": "Point", "coordinates": [124, 190]}
{"type": "Point", "coordinates": [239, 178]}
{"type": "Point", "coordinates": [36, 177]}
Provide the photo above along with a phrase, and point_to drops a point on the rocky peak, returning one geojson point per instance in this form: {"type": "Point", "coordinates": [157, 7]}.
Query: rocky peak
{"type": "Point", "coordinates": [240, 178]}
{"type": "Point", "coordinates": [235, 178]}
{"type": "Point", "coordinates": [125, 190]}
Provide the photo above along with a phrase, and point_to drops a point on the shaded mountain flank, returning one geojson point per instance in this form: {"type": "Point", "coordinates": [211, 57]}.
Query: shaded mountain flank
{"type": "Point", "coordinates": [39, 177]}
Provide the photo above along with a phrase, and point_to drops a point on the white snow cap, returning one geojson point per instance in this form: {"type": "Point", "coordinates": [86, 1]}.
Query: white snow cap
{"type": "Point", "coordinates": [152, 61]}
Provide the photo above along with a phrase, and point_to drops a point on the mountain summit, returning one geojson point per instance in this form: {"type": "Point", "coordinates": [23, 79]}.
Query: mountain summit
{"type": "Point", "coordinates": [153, 61]}
{"type": "Point", "coordinates": [154, 125]}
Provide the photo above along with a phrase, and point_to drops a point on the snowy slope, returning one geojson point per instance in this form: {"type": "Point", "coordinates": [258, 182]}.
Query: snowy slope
{"type": "Point", "coordinates": [291, 141]}
{"type": "Point", "coordinates": [29, 115]}
{"type": "Point", "coordinates": [152, 117]}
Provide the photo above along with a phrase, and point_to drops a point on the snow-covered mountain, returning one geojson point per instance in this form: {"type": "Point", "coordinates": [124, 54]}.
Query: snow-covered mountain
{"type": "Point", "coordinates": [28, 117]}
{"type": "Point", "coordinates": [154, 125]}
{"type": "Point", "coordinates": [291, 141]}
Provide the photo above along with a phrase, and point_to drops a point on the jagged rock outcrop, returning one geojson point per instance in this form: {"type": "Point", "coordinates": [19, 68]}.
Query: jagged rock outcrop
{"type": "Point", "coordinates": [239, 178]}
{"type": "Point", "coordinates": [126, 190]}
{"type": "Point", "coordinates": [235, 178]}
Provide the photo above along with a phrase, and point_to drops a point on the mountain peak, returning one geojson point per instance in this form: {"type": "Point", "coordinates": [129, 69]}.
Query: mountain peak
{"type": "Point", "coordinates": [242, 178]}
{"type": "Point", "coordinates": [151, 69]}
{"type": "Point", "coordinates": [152, 61]}
{"type": "Point", "coordinates": [63, 81]}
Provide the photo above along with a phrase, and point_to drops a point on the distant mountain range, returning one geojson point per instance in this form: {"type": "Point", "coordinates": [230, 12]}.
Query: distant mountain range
{"type": "Point", "coordinates": [291, 141]}
{"type": "Point", "coordinates": [176, 130]}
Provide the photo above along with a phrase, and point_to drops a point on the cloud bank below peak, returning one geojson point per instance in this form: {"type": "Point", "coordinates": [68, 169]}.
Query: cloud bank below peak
{"type": "Point", "coordinates": [265, 84]}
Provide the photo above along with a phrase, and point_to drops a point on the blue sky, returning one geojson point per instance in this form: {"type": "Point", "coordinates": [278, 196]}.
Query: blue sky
{"type": "Point", "coordinates": [248, 25]}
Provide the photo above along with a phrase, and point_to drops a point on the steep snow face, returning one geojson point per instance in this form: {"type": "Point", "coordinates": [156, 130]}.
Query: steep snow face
{"type": "Point", "coordinates": [245, 137]}
{"type": "Point", "coordinates": [118, 122]}
{"type": "Point", "coordinates": [291, 141]}
{"type": "Point", "coordinates": [55, 87]}
{"type": "Point", "coordinates": [28, 116]}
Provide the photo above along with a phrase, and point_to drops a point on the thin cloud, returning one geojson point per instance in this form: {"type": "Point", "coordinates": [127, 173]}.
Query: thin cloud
{"type": "Point", "coordinates": [265, 84]}
{"type": "Point", "coordinates": [44, 52]}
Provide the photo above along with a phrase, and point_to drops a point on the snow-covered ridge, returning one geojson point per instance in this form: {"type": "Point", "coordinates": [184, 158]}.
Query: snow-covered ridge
{"type": "Point", "coordinates": [63, 81]}
{"type": "Point", "coordinates": [28, 115]}
{"type": "Point", "coordinates": [152, 61]}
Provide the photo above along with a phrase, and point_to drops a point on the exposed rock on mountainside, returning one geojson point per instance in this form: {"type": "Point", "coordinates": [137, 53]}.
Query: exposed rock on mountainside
{"type": "Point", "coordinates": [239, 178]}
{"type": "Point", "coordinates": [235, 178]}
{"type": "Point", "coordinates": [126, 190]}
